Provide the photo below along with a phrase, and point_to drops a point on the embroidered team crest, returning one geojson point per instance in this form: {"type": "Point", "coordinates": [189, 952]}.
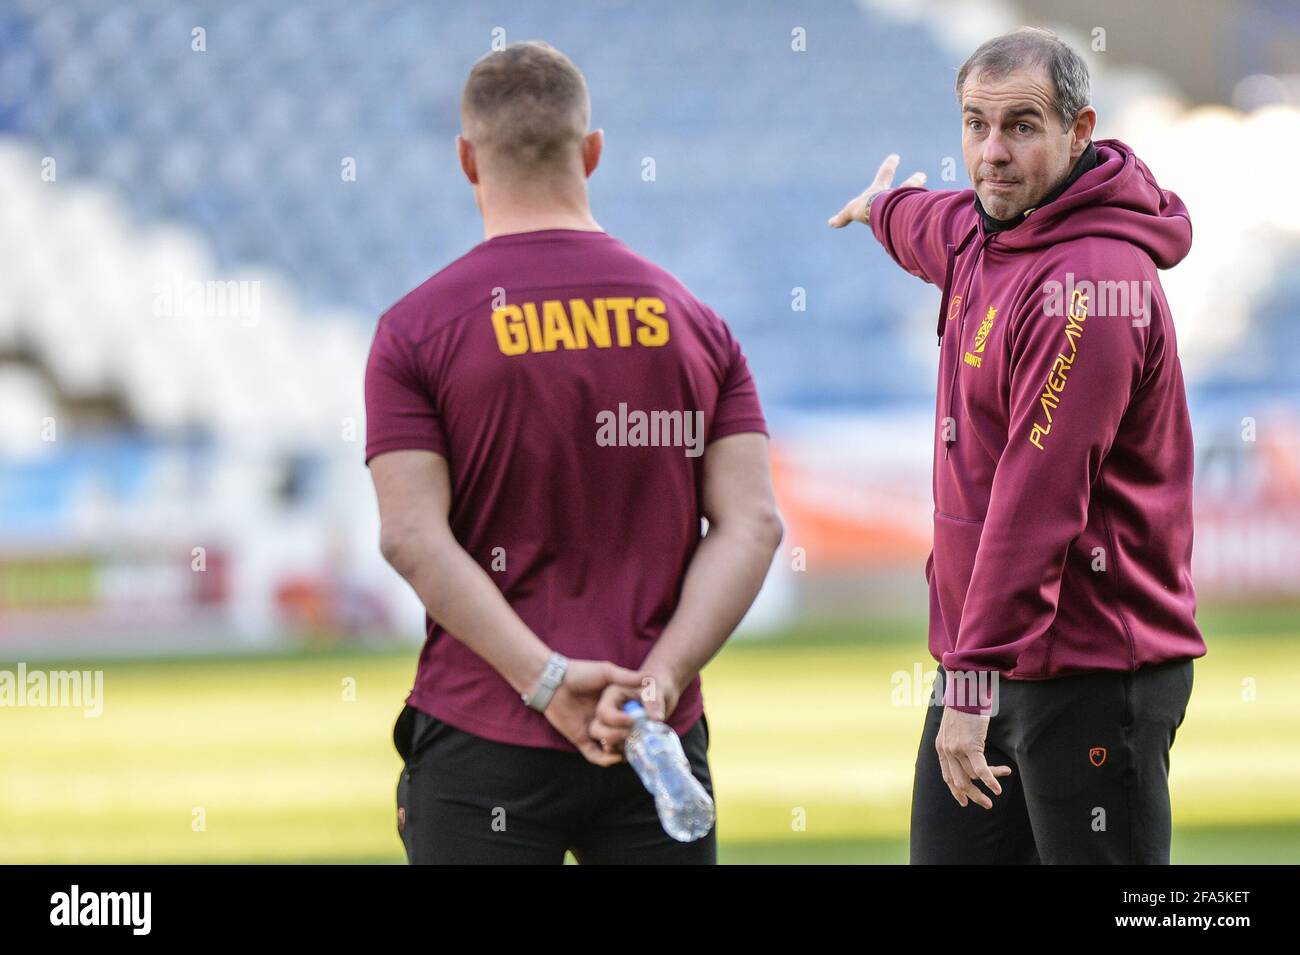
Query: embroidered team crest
{"type": "Point", "coordinates": [973, 358]}
{"type": "Point", "coordinates": [1097, 755]}
{"type": "Point", "coordinates": [954, 307]}
{"type": "Point", "coordinates": [982, 335]}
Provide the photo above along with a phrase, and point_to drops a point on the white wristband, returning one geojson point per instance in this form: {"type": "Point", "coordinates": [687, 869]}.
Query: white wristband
{"type": "Point", "coordinates": [551, 678]}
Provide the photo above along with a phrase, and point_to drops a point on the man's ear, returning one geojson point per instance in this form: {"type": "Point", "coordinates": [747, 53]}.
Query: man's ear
{"type": "Point", "coordinates": [592, 146]}
{"type": "Point", "coordinates": [1084, 124]}
{"type": "Point", "coordinates": [468, 163]}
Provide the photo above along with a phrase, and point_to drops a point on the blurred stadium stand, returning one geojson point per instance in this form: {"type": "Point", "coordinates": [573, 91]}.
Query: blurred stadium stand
{"type": "Point", "coordinates": [189, 280]}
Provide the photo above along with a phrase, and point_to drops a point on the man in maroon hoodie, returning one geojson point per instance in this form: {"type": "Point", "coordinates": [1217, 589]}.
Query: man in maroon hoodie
{"type": "Point", "coordinates": [1061, 600]}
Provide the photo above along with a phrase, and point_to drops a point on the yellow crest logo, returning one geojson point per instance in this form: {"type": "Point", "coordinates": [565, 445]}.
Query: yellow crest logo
{"type": "Point", "coordinates": [973, 358]}
{"type": "Point", "coordinates": [983, 333]}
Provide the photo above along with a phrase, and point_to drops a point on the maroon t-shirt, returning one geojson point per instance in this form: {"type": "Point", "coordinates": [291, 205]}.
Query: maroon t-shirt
{"type": "Point", "coordinates": [571, 385]}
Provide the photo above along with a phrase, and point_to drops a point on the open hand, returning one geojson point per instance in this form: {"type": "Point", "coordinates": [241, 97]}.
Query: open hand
{"type": "Point", "coordinates": [856, 209]}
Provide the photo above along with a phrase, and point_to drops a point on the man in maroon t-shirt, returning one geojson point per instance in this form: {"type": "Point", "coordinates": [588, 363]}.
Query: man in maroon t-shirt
{"type": "Point", "coordinates": [548, 419]}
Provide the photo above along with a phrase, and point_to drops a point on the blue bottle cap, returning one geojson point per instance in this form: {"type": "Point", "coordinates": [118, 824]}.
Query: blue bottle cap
{"type": "Point", "coordinates": [634, 709]}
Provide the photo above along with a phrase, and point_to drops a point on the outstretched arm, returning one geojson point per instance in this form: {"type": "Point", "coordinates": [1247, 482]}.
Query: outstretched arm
{"type": "Point", "coordinates": [858, 209]}
{"type": "Point", "coordinates": [915, 226]}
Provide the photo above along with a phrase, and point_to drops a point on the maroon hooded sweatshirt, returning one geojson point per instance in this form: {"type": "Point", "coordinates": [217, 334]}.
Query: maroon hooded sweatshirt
{"type": "Point", "coordinates": [1063, 448]}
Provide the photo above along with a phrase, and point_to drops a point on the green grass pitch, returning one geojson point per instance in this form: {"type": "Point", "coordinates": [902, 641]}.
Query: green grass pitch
{"type": "Point", "coordinates": [265, 760]}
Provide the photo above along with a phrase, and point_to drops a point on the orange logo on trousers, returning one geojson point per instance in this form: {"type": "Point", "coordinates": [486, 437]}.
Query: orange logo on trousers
{"type": "Point", "coordinates": [1097, 755]}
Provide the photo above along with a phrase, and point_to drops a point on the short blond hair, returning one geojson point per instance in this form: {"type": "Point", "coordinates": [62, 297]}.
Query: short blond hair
{"type": "Point", "coordinates": [526, 106]}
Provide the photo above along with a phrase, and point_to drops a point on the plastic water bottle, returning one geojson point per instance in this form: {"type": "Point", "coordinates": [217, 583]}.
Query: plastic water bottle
{"type": "Point", "coordinates": [684, 806]}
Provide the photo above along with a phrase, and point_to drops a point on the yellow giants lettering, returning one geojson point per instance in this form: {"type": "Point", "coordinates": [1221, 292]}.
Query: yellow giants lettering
{"type": "Point", "coordinates": [578, 324]}
{"type": "Point", "coordinates": [511, 337]}
{"type": "Point", "coordinates": [534, 331]}
{"type": "Point", "coordinates": [622, 324]}
{"type": "Point", "coordinates": [585, 323]}
{"type": "Point", "coordinates": [555, 326]}
{"type": "Point", "coordinates": [654, 327]}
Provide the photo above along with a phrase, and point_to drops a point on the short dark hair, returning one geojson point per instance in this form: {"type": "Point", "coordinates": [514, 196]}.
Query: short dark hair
{"type": "Point", "coordinates": [1030, 46]}
{"type": "Point", "coordinates": [527, 105]}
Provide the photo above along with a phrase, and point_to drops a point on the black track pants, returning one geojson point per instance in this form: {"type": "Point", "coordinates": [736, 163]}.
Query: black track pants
{"type": "Point", "coordinates": [465, 799]}
{"type": "Point", "coordinates": [1090, 773]}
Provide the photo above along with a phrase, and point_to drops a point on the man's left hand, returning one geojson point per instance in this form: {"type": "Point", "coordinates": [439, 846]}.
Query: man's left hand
{"type": "Point", "coordinates": [960, 745]}
{"type": "Point", "coordinates": [658, 693]}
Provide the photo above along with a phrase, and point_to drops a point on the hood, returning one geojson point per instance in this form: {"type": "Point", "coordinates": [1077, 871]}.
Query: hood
{"type": "Point", "coordinates": [1118, 199]}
